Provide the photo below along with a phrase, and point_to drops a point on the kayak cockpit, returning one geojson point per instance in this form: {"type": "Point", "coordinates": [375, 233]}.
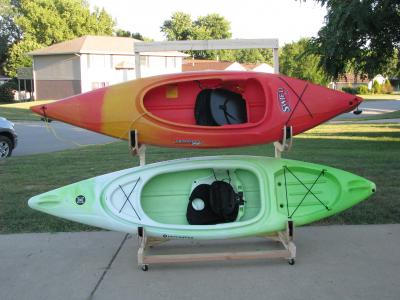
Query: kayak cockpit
{"type": "Point", "coordinates": [202, 197]}
{"type": "Point", "coordinates": [208, 102]}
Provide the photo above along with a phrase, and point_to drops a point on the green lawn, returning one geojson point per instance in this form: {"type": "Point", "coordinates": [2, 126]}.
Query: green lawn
{"type": "Point", "coordinates": [371, 151]}
{"type": "Point", "coordinates": [20, 111]}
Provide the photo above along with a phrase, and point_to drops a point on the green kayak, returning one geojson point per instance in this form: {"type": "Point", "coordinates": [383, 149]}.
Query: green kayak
{"type": "Point", "coordinates": [208, 197]}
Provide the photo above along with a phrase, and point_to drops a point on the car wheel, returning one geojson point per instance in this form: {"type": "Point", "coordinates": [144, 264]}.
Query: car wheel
{"type": "Point", "coordinates": [5, 147]}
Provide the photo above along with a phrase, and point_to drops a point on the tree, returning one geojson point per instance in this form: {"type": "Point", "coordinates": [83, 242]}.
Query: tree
{"type": "Point", "coordinates": [253, 56]}
{"type": "Point", "coordinates": [9, 30]}
{"type": "Point", "coordinates": [17, 56]}
{"type": "Point", "coordinates": [297, 61]}
{"type": "Point", "coordinates": [127, 33]}
{"type": "Point", "coordinates": [179, 27]}
{"type": "Point", "coordinates": [182, 27]}
{"type": "Point", "coordinates": [364, 34]}
{"type": "Point", "coordinates": [54, 21]}
{"type": "Point", "coordinates": [392, 69]}
{"type": "Point", "coordinates": [40, 23]}
{"type": "Point", "coordinates": [212, 26]}
{"type": "Point", "coordinates": [215, 26]}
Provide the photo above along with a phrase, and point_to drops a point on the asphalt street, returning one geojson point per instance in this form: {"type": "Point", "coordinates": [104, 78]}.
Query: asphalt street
{"type": "Point", "coordinates": [36, 137]}
{"type": "Point", "coordinates": [373, 108]}
{"type": "Point", "coordinates": [333, 262]}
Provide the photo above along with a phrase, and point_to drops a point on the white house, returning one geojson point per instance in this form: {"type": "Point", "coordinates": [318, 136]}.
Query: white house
{"type": "Point", "coordinates": [3, 79]}
{"type": "Point", "coordinates": [91, 62]}
{"type": "Point", "coordinates": [379, 78]}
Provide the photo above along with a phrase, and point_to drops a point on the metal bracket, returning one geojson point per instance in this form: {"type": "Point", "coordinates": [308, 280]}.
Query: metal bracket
{"type": "Point", "coordinates": [286, 143]}
{"type": "Point", "coordinates": [290, 229]}
{"type": "Point", "coordinates": [136, 148]}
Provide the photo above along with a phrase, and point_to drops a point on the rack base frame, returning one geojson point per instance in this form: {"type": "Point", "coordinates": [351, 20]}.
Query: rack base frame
{"type": "Point", "coordinates": [287, 252]}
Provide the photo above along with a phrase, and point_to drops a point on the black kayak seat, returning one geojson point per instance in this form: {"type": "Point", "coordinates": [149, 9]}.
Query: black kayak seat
{"type": "Point", "coordinates": [221, 204]}
{"type": "Point", "coordinates": [202, 112]}
{"type": "Point", "coordinates": [224, 201]}
{"type": "Point", "coordinates": [205, 215]}
{"type": "Point", "coordinates": [217, 107]}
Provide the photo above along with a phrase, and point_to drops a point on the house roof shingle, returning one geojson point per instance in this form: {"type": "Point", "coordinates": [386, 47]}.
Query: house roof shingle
{"type": "Point", "coordinates": [204, 64]}
{"type": "Point", "coordinates": [98, 45]}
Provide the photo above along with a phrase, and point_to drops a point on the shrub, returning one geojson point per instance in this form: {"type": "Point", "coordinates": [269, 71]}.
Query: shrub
{"type": "Point", "coordinates": [363, 90]}
{"type": "Point", "coordinates": [376, 87]}
{"type": "Point", "coordinates": [387, 87]}
{"type": "Point", "coordinates": [349, 90]}
{"type": "Point", "coordinates": [7, 91]}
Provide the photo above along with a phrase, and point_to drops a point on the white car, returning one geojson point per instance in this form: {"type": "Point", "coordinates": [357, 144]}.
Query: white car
{"type": "Point", "coordinates": [8, 138]}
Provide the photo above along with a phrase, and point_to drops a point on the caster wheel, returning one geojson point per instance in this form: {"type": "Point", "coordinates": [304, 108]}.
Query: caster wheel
{"type": "Point", "coordinates": [291, 261]}
{"type": "Point", "coordinates": [145, 268]}
{"type": "Point", "coordinates": [46, 120]}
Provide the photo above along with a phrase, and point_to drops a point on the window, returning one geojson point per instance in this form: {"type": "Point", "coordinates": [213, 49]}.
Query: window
{"type": "Point", "coordinates": [97, 61]}
{"type": "Point", "coordinates": [170, 62]}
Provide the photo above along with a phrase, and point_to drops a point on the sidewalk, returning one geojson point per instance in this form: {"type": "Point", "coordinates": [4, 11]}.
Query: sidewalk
{"type": "Point", "coordinates": [333, 262]}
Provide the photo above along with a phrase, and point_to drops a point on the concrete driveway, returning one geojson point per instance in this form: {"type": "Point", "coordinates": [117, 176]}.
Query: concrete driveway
{"type": "Point", "coordinates": [333, 262]}
{"type": "Point", "coordinates": [35, 137]}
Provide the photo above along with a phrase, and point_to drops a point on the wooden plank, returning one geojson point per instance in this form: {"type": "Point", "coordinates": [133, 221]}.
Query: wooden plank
{"type": "Point", "coordinates": [142, 244]}
{"type": "Point", "coordinates": [276, 60]}
{"type": "Point", "coordinates": [206, 45]}
{"type": "Point", "coordinates": [137, 65]}
{"type": "Point", "coordinates": [292, 249]}
{"type": "Point", "coordinates": [151, 241]}
{"type": "Point", "coordinates": [223, 256]}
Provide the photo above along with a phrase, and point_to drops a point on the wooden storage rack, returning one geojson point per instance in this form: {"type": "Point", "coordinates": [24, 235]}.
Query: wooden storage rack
{"type": "Point", "coordinates": [285, 237]}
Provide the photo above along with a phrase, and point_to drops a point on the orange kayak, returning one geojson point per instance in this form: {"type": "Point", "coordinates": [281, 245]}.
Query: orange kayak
{"type": "Point", "coordinates": [203, 109]}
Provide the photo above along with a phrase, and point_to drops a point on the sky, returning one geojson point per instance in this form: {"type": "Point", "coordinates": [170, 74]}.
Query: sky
{"type": "Point", "coordinates": [287, 20]}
